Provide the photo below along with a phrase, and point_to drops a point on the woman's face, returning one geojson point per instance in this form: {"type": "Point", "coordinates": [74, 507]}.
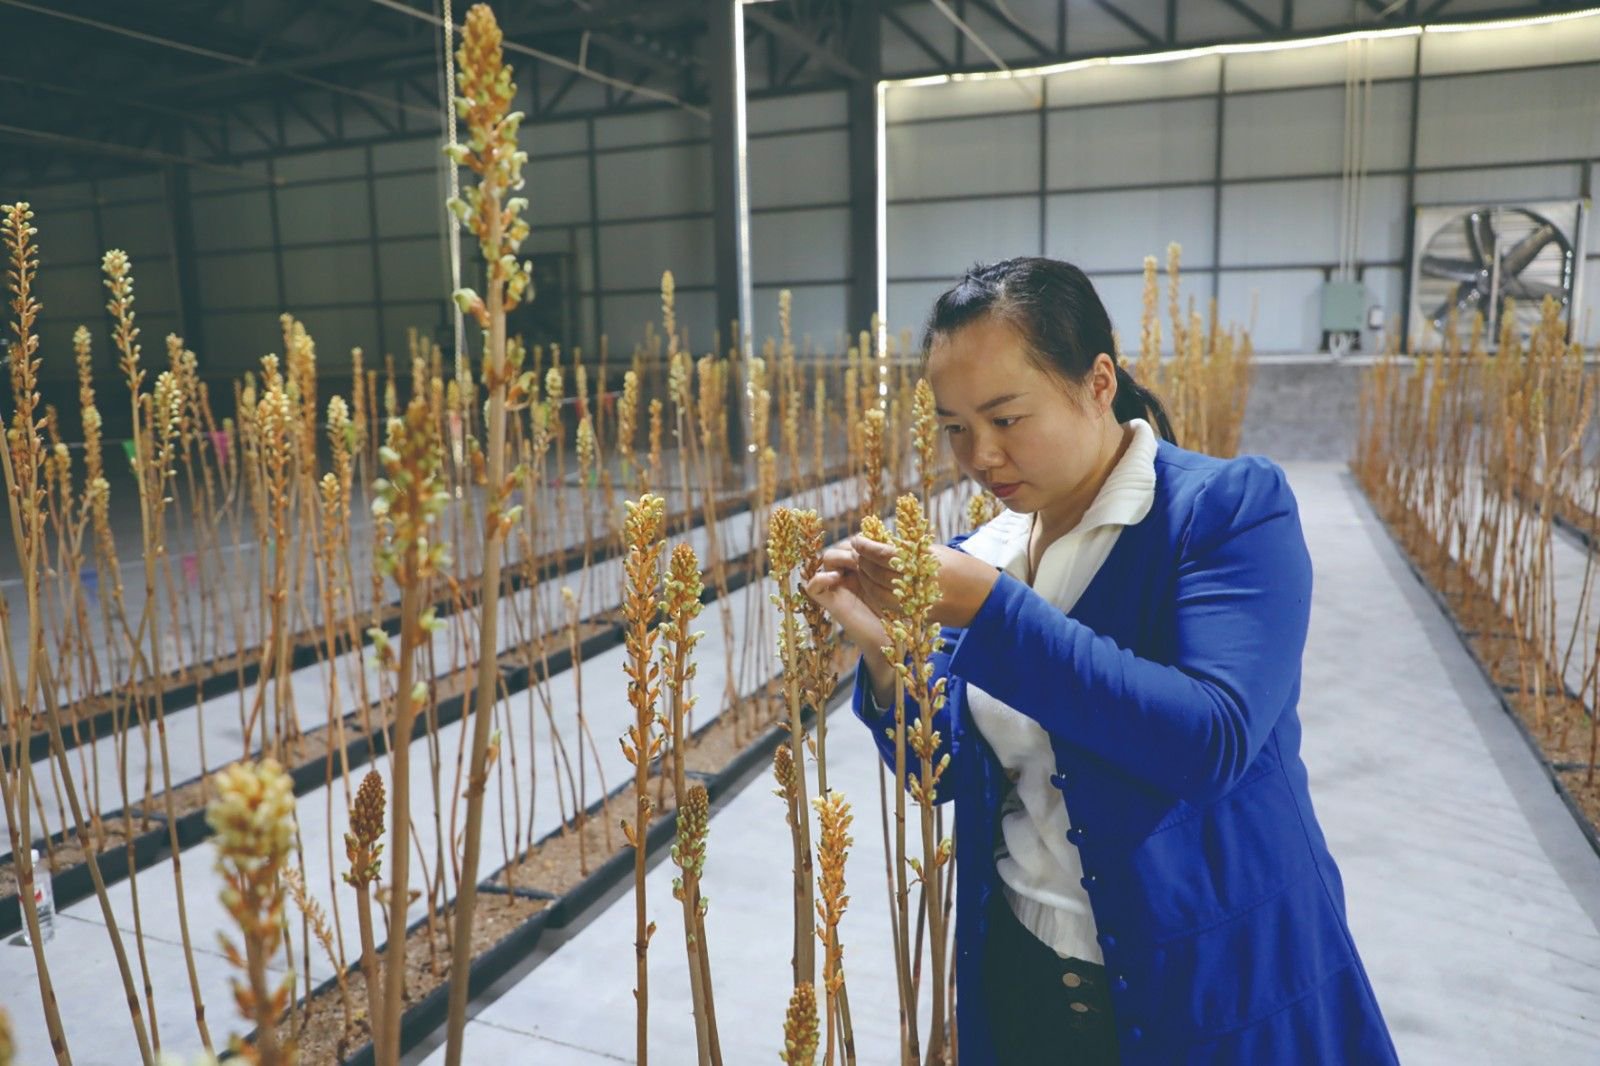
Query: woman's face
{"type": "Point", "coordinates": [1016, 429]}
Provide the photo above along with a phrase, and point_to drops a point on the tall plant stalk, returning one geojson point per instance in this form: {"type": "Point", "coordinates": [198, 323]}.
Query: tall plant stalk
{"type": "Point", "coordinates": [486, 92]}
{"type": "Point", "coordinates": [642, 744]}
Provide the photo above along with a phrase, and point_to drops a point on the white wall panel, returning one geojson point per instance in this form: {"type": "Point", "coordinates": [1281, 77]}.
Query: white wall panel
{"type": "Point", "coordinates": [549, 138]}
{"type": "Point", "coordinates": [1323, 64]}
{"type": "Point", "coordinates": [1302, 131]}
{"type": "Point", "coordinates": [1287, 302]}
{"type": "Point", "coordinates": [1298, 221]}
{"type": "Point", "coordinates": [1116, 230]}
{"type": "Point", "coordinates": [800, 168]}
{"type": "Point", "coordinates": [314, 166]}
{"type": "Point", "coordinates": [66, 236]}
{"type": "Point", "coordinates": [1499, 184]}
{"type": "Point", "coordinates": [911, 301]}
{"type": "Point", "coordinates": [133, 187]}
{"type": "Point", "coordinates": [934, 240]}
{"type": "Point", "coordinates": [1569, 41]}
{"type": "Point", "coordinates": [229, 280]}
{"type": "Point", "coordinates": [337, 331]}
{"type": "Point", "coordinates": [49, 194]}
{"type": "Point", "coordinates": [409, 205]}
{"type": "Point", "coordinates": [797, 111]}
{"type": "Point", "coordinates": [1526, 115]}
{"type": "Point", "coordinates": [232, 220]}
{"type": "Point", "coordinates": [323, 212]}
{"type": "Point", "coordinates": [342, 274]}
{"type": "Point", "coordinates": [74, 292]}
{"type": "Point", "coordinates": [964, 156]}
{"type": "Point", "coordinates": [1123, 297]}
{"type": "Point", "coordinates": [429, 318]}
{"type": "Point", "coordinates": [818, 312]}
{"type": "Point", "coordinates": [1167, 141]}
{"type": "Point", "coordinates": [654, 181]}
{"type": "Point", "coordinates": [157, 292]}
{"type": "Point", "coordinates": [1138, 81]}
{"type": "Point", "coordinates": [961, 98]}
{"type": "Point", "coordinates": [1386, 289]}
{"type": "Point", "coordinates": [633, 255]}
{"type": "Point", "coordinates": [557, 190]}
{"type": "Point", "coordinates": [416, 269]}
{"type": "Point", "coordinates": [649, 127]}
{"type": "Point", "coordinates": [251, 174]}
{"type": "Point", "coordinates": [800, 245]}
{"type": "Point", "coordinates": [139, 229]}
{"type": "Point", "coordinates": [625, 317]}
{"type": "Point", "coordinates": [236, 342]}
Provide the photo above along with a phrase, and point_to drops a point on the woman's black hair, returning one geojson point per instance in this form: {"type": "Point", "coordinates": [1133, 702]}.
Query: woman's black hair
{"type": "Point", "coordinates": [1054, 307]}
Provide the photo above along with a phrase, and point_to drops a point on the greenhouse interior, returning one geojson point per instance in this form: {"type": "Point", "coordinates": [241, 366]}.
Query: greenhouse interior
{"type": "Point", "coordinates": [883, 532]}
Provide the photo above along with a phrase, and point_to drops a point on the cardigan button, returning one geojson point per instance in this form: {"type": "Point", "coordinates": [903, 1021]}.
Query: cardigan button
{"type": "Point", "coordinates": [1119, 985]}
{"type": "Point", "coordinates": [1136, 1034]}
{"type": "Point", "coordinates": [1075, 836]}
{"type": "Point", "coordinates": [1058, 780]}
{"type": "Point", "coordinates": [1107, 940]}
{"type": "Point", "coordinates": [1088, 881]}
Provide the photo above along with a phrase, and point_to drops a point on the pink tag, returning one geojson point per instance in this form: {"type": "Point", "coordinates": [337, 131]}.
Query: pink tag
{"type": "Point", "coordinates": [219, 441]}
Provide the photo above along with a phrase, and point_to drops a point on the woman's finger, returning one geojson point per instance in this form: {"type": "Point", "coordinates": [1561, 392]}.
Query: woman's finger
{"type": "Point", "coordinates": [839, 559]}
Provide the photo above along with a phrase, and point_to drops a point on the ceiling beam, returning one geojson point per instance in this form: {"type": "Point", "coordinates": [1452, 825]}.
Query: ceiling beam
{"type": "Point", "coordinates": [796, 38]}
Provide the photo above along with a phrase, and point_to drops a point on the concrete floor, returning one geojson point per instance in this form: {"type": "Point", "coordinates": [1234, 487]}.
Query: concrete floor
{"type": "Point", "coordinates": [1473, 897]}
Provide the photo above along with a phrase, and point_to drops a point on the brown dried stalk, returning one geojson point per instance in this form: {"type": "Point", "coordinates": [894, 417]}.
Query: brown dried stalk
{"type": "Point", "coordinates": [641, 744]}
{"type": "Point", "coordinates": [363, 846]}
{"type": "Point", "coordinates": [409, 501]}
{"type": "Point", "coordinates": [914, 635]}
{"type": "Point", "coordinates": [495, 217]}
{"type": "Point", "coordinates": [833, 849]}
{"type": "Point", "coordinates": [787, 549]}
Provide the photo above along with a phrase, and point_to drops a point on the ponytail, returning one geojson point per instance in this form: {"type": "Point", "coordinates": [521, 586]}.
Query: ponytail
{"type": "Point", "coordinates": [1135, 401]}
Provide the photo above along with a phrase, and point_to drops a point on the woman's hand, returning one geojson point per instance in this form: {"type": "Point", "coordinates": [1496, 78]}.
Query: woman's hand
{"type": "Point", "coordinates": [862, 569]}
{"type": "Point", "coordinates": [851, 599]}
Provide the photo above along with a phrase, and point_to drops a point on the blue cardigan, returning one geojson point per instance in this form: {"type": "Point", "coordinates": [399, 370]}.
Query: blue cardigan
{"type": "Point", "coordinates": [1169, 694]}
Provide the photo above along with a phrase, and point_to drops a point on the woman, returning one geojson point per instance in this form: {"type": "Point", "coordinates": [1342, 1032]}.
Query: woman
{"type": "Point", "coordinates": [1139, 874]}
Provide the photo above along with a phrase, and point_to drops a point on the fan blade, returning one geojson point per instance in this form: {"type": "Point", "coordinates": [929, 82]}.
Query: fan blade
{"type": "Point", "coordinates": [1462, 270]}
{"type": "Point", "coordinates": [1516, 260]}
{"type": "Point", "coordinates": [1528, 289]}
{"type": "Point", "coordinates": [1480, 236]}
{"type": "Point", "coordinates": [1463, 291]}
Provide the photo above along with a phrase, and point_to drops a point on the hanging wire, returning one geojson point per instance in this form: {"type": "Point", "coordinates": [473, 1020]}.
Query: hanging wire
{"type": "Point", "coordinates": [447, 99]}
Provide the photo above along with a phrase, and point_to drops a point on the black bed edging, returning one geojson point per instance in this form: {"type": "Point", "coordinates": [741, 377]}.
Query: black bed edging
{"type": "Point", "coordinates": [430, 1013]}
{"type": "Point", "coordinates": [75, 883]}
{"type": "Point", "coordinates": [308, 648]}
{"type": "Point", "coordinates": [1550, 769]}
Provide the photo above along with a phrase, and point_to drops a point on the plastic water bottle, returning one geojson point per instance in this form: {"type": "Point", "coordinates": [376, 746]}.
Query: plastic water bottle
{"type": "Point", "coordinates": [44, 898]}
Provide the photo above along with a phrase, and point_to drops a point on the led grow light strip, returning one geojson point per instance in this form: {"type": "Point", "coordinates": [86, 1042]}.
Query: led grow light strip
{"type": "Point", "coordinates": [1241, 48]}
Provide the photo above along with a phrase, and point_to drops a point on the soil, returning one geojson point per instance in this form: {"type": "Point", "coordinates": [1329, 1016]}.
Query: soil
{"type": "Point", "coordinates": [1558, 723]}
{"type": "Point", "coordinates": [556, 865]}
{"type": "Point", "coordinates": [311, 748]}
{"type": "Point", "coordinates": [318, 1028]}
{"type": "Point", "coordinates": [1585, 791]}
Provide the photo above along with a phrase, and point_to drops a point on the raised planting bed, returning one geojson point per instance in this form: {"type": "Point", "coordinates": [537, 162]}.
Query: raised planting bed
{"type": "Point", "coordinates": [1561, 741]}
